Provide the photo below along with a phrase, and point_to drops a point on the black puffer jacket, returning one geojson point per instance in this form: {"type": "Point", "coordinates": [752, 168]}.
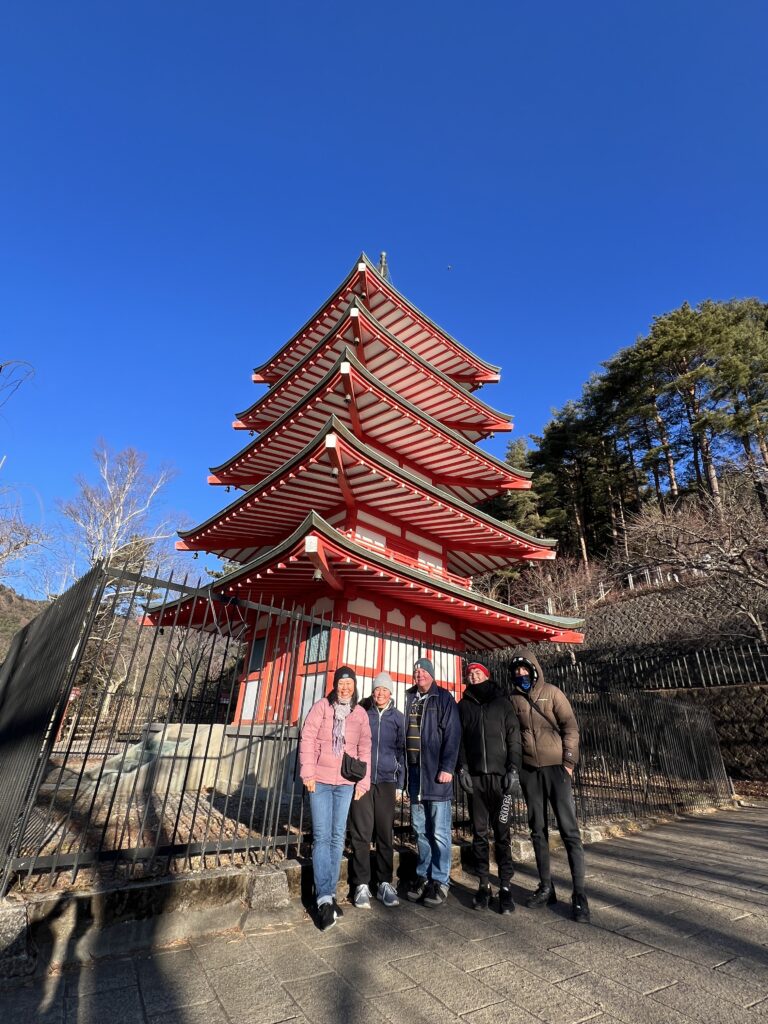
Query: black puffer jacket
{"type": "Point", "coordinates": [490, 733]}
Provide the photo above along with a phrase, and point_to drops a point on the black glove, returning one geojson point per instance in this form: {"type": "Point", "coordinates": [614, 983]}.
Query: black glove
{"type": "Point", "coordinates": [465, 780]}
{"type": "Point", "coordinates": [511, 785]}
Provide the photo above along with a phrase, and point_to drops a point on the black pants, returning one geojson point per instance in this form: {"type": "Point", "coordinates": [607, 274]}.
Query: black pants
{"type": "Point", "coordinates": [484, 806]}
{"type": "Point", "coordinates": [372, 817]}
{"type": "Point", "coordinates": [553, 785]}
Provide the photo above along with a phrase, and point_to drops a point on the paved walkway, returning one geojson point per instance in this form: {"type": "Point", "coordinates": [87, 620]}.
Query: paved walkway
{"type": "Point", "coordinates": [679, 934]}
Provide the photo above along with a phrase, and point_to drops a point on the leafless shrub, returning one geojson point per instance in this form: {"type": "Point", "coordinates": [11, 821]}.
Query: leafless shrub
{"type": "Point", "coordinates": [721, 546]}
{"type": "Point", "coordinates": [563, 586]}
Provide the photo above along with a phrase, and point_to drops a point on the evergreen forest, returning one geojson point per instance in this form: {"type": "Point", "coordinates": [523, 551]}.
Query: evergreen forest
{"type": "Point", "coordinates": [658, 470]}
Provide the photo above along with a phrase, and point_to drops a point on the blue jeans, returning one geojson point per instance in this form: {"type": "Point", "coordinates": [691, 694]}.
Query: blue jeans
{"type": "Point", "coordinates": [431, 824]}
{"type": "Point", "coordinates": [330, 807]}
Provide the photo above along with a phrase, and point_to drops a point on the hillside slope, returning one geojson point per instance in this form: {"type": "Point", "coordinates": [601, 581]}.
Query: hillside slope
{"type": "Point", "coordinates": [15, 611]}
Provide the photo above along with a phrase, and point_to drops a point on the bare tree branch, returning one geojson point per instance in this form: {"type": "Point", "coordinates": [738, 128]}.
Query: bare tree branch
{"type": "Point", "coordinates": [722, 545]}
{"type": "Point", "coordinates": [564, 586]}
{"type": "Point", "coordinates": [13, 373]}
{"type": "Point", "coordinates": [111, 520]}
{"type": "Point", "coordinates": [18, 538]}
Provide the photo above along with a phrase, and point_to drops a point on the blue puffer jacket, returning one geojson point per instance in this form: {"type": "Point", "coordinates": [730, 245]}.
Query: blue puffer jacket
{"type": "Point", "coordinates": [387, 743]}
{"type": "Point", "coordinates": [440, 739]}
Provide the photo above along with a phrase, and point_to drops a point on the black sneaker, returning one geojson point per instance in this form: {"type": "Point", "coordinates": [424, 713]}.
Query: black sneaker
{"type": "Point", "coordinates": [436, 894]}
{"type": "Point", "coordinates": [506, 903]}
{"type": "Point", "coordinates": [544, 896]}
{"type": "Point", "coordinates": [417, 889]}
{"type": "Point", "coordinates": [339, 912]}
{"type": "Point", "coordinates": [326, 916]}
{"type": "Point", "coordinates": [482, 898]}
{"type": "Point", "coordinates": [580, 908]}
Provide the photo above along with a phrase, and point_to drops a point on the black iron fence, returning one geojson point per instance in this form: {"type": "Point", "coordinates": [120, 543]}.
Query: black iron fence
{"type": "Point", "coordinates": [591, 671]}
{"type": "Point", "coordinates": [161, 747]}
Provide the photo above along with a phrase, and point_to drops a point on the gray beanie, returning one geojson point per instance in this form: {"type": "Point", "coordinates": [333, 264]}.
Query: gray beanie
{"type": "Point", "coordinates": [384, 679]}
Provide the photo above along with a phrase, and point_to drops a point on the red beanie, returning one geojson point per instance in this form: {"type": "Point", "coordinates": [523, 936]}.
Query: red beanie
{"type": "Point", "coordinates": [481, 667]}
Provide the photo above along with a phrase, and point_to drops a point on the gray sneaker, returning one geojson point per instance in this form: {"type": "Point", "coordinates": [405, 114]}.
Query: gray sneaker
{"type": "Point", "coordinates": [386, 893]}
{"type": "Point", "coordinates": [362, 898]}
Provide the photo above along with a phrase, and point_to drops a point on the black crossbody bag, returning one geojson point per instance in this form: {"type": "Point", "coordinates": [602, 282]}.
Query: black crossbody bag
{"type": "Point", "coordinates": [352, 768]}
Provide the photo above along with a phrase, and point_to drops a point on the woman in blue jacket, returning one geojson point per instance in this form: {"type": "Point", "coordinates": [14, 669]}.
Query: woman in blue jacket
{"type": "Point", "coordinates": [373, 816]}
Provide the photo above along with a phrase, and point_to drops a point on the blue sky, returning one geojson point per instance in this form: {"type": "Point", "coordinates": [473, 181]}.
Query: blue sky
{"type": "Point", "coordinates": [183, 183]}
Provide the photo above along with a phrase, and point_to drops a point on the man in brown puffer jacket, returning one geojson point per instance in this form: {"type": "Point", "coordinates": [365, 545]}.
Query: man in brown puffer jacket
{"type": "Point", "coordinates": [550, 739]}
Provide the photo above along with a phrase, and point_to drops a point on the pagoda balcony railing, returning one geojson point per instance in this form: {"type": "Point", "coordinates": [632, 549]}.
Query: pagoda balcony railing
{"type": "Point", "coordinates": [415, 563]}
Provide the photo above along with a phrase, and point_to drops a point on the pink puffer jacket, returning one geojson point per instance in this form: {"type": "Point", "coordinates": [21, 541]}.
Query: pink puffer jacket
{"type": "Point", "coordinates": [316, 757]}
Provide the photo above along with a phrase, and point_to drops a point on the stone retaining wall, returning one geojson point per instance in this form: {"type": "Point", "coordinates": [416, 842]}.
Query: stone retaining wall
{"type": "Point", "coordinates": [680, 616]}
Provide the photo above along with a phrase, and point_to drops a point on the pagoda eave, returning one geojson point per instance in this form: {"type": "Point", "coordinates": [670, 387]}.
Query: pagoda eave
{"type": "Point", "coordinates": [316, 553]}
{"type": "Point", "coordinates": [386, 421]}
{"type": "Point", "coordinates": [337, 466]}
{"type": "Point", "coordinates": [517, 485]}
{"type": "Point", "coordinates": [389, 360]}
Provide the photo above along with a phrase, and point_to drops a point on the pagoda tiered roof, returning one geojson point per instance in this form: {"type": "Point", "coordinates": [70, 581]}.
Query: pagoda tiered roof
{"type": "Point", "coordinates": [380, 417]}
{"type": "Point", "coordinates": [337, 475]}
{"type": "Point", "coordinates": [390, 361]}
{"type": "Point", "coordinates": [370, 421]}
{"type": "Point", "coordinates": [397, 315]}
{"type": "Point", "coordinates": [317, 559]}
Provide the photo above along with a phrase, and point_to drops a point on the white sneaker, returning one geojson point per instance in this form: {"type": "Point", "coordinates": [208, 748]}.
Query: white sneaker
{"type": "Point", "coordinates": [386, 893]}
{"type": "Point", "coordinates": [362, 898]}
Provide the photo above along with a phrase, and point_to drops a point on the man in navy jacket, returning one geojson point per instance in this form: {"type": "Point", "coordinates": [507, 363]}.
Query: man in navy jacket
{"type": "Point", "coordinates": [433, 735]}
{"type": "Point", "coordinates": [373, 816]}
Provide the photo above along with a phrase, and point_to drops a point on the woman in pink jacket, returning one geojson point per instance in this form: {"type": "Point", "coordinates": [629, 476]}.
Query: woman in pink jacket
{"type": "Point", "coordinates": [335, 725]}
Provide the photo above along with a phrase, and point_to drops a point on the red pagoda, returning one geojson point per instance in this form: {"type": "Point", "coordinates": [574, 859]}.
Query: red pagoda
{"type": "Point", "coordinates": [357, 505]}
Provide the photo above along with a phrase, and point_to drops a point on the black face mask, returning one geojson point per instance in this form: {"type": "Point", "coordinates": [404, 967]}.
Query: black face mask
{"type": "Point", "coordinates": [524, 683]}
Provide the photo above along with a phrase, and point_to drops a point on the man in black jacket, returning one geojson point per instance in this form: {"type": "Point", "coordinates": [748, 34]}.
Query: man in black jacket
{"type": "Point", "coordinates": [489, 759]}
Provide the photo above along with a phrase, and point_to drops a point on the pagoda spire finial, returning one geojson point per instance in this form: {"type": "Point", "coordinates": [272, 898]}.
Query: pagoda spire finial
{"type": "Point", "coordinates": [383, 267]}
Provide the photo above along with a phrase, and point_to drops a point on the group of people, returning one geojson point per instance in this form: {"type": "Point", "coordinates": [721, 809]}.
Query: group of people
{"type": "Point", "coordinates": [355, 756]}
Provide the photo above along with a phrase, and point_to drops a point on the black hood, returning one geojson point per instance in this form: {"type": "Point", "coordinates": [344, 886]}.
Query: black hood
{"type": "Point", "coordinates": [527, 658]}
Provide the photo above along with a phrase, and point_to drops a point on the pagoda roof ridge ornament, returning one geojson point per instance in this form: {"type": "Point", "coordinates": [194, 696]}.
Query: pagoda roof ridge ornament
{"type": "Point", "coordinates": [471, 357]}
{"type": "Point", "coordinates": [360, 308]}
{"type": "Point", "coordinates": [314, 523]}
{"type": "Point", "coordinates": [385, 467]}
{"type": "Point", "coordinates": [348, 355]}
